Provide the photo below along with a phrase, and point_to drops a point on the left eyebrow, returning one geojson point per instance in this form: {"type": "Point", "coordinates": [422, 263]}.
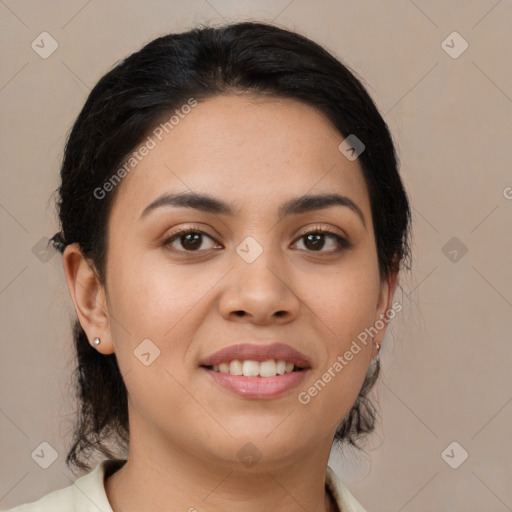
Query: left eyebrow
{"type": "Point", "coordinates": [293, 206]}
{"type": "Point", "coordinates": [304, 204]}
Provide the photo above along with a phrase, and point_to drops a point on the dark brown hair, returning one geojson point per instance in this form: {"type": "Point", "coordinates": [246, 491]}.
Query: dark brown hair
{"type": "Point", "coordinates": [132, 98]}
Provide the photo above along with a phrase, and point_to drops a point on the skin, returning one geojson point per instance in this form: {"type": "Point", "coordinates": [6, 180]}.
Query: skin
{"type": "Point", "coordinates": [254, 153]}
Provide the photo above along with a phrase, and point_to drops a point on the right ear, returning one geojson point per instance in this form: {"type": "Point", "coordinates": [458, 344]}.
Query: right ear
{"type": "Point", "coordinates": [89, 298]}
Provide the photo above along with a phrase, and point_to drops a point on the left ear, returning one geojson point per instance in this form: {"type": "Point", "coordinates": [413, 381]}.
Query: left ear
{"type": "Point", "coordinates": [384, 303]}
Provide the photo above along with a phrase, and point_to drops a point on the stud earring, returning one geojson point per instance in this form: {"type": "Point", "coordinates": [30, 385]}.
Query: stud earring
{"type": "Point", "coordinates": [96, 341]}
{"type": "Point", "coordinates": [377, 346]}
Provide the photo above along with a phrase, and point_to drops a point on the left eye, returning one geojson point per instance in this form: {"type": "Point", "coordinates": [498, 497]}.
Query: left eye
{"type": "Point", "coordinates": [315, 240]}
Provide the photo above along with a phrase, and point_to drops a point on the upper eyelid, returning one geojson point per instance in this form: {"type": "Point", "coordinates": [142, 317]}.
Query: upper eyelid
{"type": "Point", "coordinates": [326, 230]}
{"type": "Point", "coordinates": [323, 229]}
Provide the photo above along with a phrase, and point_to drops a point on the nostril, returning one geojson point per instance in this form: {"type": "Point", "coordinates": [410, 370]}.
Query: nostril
{"type": "Point", "coordinates": [239, 313]}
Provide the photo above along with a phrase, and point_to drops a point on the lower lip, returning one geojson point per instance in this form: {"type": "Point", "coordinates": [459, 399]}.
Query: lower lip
{"type": "Point", "coordinates": [258, 387]}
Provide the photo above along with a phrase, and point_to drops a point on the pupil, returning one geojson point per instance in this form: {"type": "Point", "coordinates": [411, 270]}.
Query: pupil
{"type": "Point", "coordinates": [192, 243]}
{"type": "Point", "coordinates": [315, 239]}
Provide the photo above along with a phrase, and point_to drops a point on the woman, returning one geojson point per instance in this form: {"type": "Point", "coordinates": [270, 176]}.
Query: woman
{"type": "Point", "coordinates": [233, 224]}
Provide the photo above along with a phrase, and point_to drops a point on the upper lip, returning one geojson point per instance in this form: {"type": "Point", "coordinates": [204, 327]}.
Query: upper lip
{"type": "Point", "coordinates": [257, 352]}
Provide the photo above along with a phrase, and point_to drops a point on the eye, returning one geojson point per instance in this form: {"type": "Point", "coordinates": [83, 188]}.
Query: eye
{"type": "Point", "coordinates": [190, 239]}
{"type": "Point", "coordinates": [314, 240]}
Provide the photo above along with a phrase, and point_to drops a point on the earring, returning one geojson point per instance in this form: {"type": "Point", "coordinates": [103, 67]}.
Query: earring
{"type": "Point", "coordinates": [377, 358]}
{"type": "Point", "coordinates": [96, 341]}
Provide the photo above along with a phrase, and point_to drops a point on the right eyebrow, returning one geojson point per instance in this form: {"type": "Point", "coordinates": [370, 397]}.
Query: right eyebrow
{"type": "Point", "coordinates": [201, 202]}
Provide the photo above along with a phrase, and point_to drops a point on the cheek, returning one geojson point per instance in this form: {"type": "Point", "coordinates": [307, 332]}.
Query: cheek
{"type": "Point", "coordinates": [139, 292]}
{"type": "Point", "coordinates": [331, 393]}
{"type": "Point", "coordinates": [344, 304]}
{"type": "Point", "coordinates": [335, 383]}
{"type": "Point", "coordinates": [156, 300]}
{"type": "Point", "coordinates": [345, 300]}
{"type": "Point", "coordinates": [152, 322]}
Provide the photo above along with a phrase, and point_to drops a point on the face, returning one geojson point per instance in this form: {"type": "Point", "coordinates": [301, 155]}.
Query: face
{"type": "Point", "coordinates": [256, 267]}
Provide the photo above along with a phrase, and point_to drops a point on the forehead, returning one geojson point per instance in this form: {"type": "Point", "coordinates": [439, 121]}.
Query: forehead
{"type": "Point", "coordinates": [248, 151]}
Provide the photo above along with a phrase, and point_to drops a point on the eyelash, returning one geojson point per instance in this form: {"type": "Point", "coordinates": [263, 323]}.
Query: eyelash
{"type": "Point", "coordinates": [343, 244]}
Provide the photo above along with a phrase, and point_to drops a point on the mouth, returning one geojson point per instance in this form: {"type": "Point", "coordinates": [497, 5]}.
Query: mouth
{"type": "Point", "coordinates": [257, 371]}
{"type": "Point", "coordinates": [251, 368]}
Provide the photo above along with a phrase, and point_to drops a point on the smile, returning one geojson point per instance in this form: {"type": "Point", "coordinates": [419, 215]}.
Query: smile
{"type": "Point", "coordinates": [255, 370]}
{"type": "Point", "coordinates": [250, 368]}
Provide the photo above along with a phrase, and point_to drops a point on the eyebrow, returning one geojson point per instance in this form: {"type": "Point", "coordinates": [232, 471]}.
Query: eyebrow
{"type": "Point", "coordinates": [293, 206]}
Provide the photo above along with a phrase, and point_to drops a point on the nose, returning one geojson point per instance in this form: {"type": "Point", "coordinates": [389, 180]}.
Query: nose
{"type": "Point", "coordinates": [259, 293]}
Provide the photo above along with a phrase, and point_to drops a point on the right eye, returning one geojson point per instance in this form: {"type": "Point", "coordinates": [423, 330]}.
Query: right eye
{"type": "Point", "coordinates": [190, 239]}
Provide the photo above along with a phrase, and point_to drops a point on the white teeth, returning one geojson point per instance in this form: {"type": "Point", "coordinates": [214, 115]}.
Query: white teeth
{"type": "Point", "coordinates": [250, 368]}
{"type": "Point", "coordinates": [236, 368]}
{"type": "Point", "coordinates": [268, 368]}
{"type": "Point", "coordinates": [224, 367]}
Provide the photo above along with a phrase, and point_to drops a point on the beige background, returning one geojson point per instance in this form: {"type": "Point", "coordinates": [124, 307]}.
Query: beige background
{"type": "Point", "coordinates": [447, 357]}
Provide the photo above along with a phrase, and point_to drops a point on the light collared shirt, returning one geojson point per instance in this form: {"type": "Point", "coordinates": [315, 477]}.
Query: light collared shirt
{"type": "Point", "coordinates": [88, 494]}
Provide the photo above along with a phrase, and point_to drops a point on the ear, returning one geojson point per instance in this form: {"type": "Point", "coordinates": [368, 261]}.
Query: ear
{"type": "Point", "coordinates": [384, 304]}
{"type": "Point", "coordinates": [89, 299]}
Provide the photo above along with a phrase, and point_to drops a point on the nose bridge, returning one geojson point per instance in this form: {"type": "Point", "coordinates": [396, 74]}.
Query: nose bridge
{"type": "Point", "coordinates": [258, 286]}
{"type": "Point", "coordinates": [256, 264]}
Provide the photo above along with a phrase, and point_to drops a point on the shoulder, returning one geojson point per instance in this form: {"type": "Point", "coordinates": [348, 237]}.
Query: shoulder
{"type": "Point", "coordinates": [87, 494]}
{"type": "Point", "coordinates": [56, 501]}
{"type": "Point", "coordinates": [343, 497]}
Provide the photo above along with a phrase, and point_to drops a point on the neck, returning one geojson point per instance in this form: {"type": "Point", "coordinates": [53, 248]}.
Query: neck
{"type": "Point", "coordinates": [168, 478]}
